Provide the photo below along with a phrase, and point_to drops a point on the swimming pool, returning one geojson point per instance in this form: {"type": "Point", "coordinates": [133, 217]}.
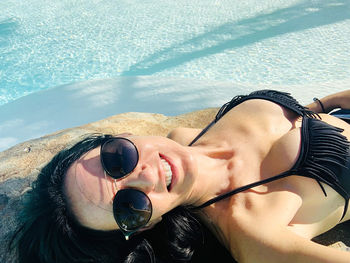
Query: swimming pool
{"type": "Point", "coordinates": [44, 44]}
{"type": "Point", "coordinates": [82, 61]}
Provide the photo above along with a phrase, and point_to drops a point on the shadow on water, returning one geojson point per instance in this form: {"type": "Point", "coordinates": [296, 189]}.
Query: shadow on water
{"type": "Point", "coordinates": [228, 36]}
{"type": "Point", "coordinates": [7, 28]}
{"type": "Point", "coordinates": [85, 102]}
{"type": "Point", "coordinates": [245, 32]}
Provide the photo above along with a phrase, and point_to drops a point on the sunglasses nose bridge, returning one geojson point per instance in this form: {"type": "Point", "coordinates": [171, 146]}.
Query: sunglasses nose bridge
{"type": "Point", "coordinates": [140, 178]}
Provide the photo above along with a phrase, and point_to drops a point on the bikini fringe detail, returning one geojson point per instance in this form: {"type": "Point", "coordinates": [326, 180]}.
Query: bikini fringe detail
{"type": "Point", "coordinates": [328, 146]}
{"type": "Point", "coordinates": [325, 145]}
{"type": "Point", "coordinates": [282, 98]}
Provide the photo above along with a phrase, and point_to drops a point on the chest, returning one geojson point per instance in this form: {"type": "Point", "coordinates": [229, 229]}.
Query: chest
{"type": "Point", "coordinates": [264, 142]}
{"type": "Point", "coordinates": [270, 146]}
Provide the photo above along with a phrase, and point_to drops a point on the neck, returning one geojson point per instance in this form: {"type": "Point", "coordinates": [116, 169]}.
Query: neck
{"type": "Point", "coordinates": [214, 172]}
{"type": "Point", "coordinates": [216, 168]}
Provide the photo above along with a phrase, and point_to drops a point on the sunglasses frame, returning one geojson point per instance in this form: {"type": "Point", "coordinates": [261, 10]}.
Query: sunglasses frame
{"type": "Point", "coordinates": [103, 164]}
{"type": "Point", "coordinates": [127, 233]}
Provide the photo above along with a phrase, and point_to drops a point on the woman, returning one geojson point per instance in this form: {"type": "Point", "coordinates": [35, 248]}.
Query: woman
{"type": "Point", "coordinates": [264, 177]}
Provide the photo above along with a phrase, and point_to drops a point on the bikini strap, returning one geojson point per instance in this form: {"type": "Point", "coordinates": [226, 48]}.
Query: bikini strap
{"type": "Point", "coordinates": [282, 98]}
{"type": "Point", "coordinates": [244, 188]}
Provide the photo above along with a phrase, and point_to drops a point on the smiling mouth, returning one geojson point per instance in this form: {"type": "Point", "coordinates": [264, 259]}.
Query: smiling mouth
{"type": "Point", "coordinates": [168, 172]}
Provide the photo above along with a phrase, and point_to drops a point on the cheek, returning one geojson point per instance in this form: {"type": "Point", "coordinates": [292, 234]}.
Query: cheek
{"type": "Point", "coordinates": [95, 189]}
{"type": "Point", "coordinates": [95, 217]}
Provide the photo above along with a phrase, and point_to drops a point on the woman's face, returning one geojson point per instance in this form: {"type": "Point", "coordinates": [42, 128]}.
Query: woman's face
{"type": "Point", "coordinates": [91, 192]}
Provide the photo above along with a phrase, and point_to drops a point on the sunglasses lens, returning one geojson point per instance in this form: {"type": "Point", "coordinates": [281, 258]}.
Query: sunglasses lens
{"type": "Point", "coordinates": [132, 209]}
{"type": "Point", "coordinates": [119, 157]}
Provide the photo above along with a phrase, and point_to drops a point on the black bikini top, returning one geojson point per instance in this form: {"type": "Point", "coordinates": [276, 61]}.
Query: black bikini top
{"type": "Point", "coordinates": [324, 154]}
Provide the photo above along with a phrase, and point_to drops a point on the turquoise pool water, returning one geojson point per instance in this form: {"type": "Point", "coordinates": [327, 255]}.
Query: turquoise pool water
{"type": "Point", "coordinates": [44, 44]}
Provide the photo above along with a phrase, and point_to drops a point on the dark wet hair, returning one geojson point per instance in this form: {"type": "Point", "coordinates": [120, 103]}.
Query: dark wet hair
{"type": "Point", "coordinates": [48, 231]}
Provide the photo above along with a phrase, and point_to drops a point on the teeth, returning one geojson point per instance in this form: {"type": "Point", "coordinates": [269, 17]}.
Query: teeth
{"type": "Point", "coordinates": [168, 173]}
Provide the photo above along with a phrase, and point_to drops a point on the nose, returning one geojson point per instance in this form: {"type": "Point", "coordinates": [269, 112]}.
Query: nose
{"type": "Point", "coordinates": [141, 178]}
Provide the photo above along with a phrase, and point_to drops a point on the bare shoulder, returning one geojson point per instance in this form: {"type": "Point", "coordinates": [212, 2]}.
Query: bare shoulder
{"type": "Point", "coordinates": [183, 135]}
{"type": "Point", "coordinates": [257, 216]}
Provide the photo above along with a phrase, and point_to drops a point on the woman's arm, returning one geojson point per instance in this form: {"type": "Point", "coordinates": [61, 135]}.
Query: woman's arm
{"type": "Point", "coordinates": [267, 236]}
{"type": "Point", "coordinates": [287, 247]}
{"type": "Point", "coordinates": [330, 102]}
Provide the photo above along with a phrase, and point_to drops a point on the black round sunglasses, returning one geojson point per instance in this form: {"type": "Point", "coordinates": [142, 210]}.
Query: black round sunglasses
{"type": "Point", "coordinates": [132, 208]}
